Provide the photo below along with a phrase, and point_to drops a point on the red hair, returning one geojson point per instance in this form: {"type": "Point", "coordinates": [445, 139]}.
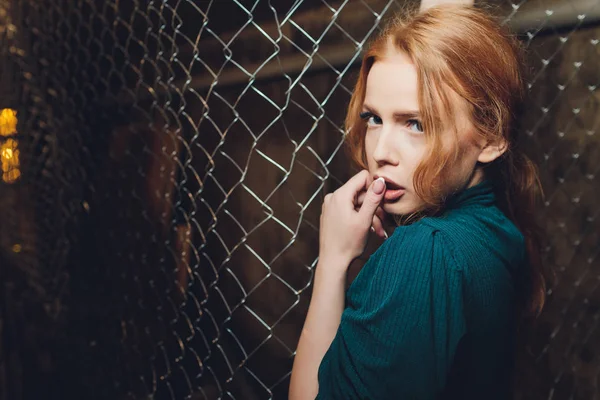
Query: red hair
{"type": "Point", "coordinates": [465, 50]}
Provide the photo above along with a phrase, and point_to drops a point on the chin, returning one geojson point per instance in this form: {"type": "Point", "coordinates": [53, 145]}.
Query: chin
{"type": "Point", "coordinates": [402, 207]}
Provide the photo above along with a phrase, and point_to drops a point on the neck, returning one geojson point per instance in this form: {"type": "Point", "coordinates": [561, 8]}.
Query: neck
{"type": "Point", "coordinates": [476, 177]}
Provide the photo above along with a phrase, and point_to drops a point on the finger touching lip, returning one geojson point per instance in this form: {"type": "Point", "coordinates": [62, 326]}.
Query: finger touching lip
{"type": "Point", "coordinates": [389, 183]}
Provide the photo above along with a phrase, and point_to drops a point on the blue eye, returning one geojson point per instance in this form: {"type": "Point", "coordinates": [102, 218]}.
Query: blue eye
{"type": "Point", "coordinates": [415, 125]}
{"type": "Point", "coordinates": [371, 118]}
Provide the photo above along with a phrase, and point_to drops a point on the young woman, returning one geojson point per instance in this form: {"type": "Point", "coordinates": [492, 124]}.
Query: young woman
{"type": "Point", "coordinates": [433, 313]}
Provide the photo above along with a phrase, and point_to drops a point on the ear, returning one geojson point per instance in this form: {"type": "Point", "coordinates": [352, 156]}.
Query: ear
{"type": "Point", "coordinates": [492, 151]}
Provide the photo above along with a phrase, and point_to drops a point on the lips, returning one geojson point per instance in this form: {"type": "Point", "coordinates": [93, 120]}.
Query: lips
{"type": "Point", "coordinates": [393, 191]}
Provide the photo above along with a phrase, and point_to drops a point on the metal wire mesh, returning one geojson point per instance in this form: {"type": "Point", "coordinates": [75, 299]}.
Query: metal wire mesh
{"type": "Point", "coordinates": [173, 159]}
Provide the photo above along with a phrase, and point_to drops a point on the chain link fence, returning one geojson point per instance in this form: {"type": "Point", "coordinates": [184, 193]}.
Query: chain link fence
{"type": "Point", "coordinates": [164, 163]}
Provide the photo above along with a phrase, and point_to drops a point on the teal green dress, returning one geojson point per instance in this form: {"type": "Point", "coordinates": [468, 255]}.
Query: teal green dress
{"type": "Point", "coordinates": [432, 313]}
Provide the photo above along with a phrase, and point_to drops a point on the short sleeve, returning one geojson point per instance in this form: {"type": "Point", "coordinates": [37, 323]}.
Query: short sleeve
{"type": "Point", "coordinates": [404, 318]}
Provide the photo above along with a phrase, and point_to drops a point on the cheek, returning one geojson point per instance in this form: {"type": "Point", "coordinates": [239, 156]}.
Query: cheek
{"type": "Point", "coordinates": [413, 150]}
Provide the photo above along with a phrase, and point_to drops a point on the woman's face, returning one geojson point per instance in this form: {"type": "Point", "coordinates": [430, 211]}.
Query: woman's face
{"type": "Point", "coordinates": [395, 143]}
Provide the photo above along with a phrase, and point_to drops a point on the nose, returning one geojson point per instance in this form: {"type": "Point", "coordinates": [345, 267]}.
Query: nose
{"type": "Point", "coordinates": [384, 152]}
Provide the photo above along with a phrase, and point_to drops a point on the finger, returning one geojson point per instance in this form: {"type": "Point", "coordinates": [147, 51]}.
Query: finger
{"type": "Point", "coordinates": [378, 227]}
{"type": "Point", "coordinates": [380, 213]}
{"type": "Point", "coordinates": [360, 198]}
{"type": "Point", "coordinates": [372, 199]}
{"type": "Point", "coordinates": [355, 184]}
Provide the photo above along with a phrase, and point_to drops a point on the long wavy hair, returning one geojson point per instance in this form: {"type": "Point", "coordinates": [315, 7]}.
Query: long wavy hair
{"type": "Point", "coordinates": [464, 49]}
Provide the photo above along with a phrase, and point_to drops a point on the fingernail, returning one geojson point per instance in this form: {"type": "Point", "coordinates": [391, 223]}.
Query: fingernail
{"type": "Point", "coordinates": [378, 186]}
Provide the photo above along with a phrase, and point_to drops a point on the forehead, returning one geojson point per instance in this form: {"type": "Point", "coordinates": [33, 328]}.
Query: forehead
{"type": "Point", "coordinates": [392, 84]}
{"type": "Point", "coordinates": [393, 87]}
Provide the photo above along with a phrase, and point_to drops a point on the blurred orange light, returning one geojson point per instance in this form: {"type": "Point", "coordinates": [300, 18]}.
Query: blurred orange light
{"type": "Point", "coordinates": [9, 157]}
{"type": "Point", "coordinates": [8, 122]}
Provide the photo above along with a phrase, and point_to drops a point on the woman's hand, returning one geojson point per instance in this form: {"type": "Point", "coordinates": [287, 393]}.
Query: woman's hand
{"type": "Point", "coordinates": [378, 225]}
{"type": "Point", "coordinates": [344, 229]}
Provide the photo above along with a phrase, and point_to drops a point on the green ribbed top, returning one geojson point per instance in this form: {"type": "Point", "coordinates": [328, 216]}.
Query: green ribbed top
{"type": "Point", "coordinates": [431, 314]}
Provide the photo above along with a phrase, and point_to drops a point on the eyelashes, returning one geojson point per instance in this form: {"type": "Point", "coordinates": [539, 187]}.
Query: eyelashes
{"type": "Point", "coordinates": [413, 124]}
{"type": "Point", "coordinates": [417, 124]}
{"type": "Point", "coordinates": [371, 118]}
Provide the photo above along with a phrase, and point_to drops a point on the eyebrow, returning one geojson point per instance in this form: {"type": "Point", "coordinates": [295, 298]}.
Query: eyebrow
{"type": "Point", "coordinates": [397, 114]}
